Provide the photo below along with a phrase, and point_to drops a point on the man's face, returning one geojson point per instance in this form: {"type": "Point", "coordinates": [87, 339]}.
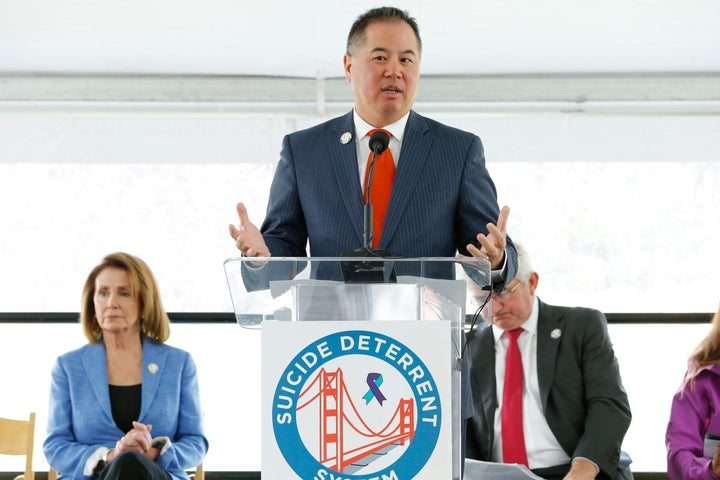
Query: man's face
{"type": "Point", "coordinates": [384, 72]}
{"type": "Point", "coordinates": [513, 306]}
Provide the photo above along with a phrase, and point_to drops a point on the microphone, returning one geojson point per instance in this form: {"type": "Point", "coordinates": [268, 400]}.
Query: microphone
{"type": "Point", "coordinates": [379, 142]}
{"type": "Point", "coordinates": [370, 271]}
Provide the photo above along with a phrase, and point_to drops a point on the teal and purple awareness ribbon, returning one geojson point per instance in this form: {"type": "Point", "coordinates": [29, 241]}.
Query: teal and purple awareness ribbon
{"type": "Point", "coordinates": [374, 380]}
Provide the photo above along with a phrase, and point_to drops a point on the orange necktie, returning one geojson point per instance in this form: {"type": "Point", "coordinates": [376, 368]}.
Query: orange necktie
{"type": "Point", "coordinates": [513, 438]}
{"type": "Point", "coordinates": [381, 187]}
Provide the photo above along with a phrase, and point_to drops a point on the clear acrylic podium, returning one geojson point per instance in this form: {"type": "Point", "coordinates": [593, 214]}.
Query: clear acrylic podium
{"type": "Point", "coordinates": [361, 362]}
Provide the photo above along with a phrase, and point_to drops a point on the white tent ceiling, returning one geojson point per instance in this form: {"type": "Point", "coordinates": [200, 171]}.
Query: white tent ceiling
{"type": "Point", "coordinates": [294, 38]}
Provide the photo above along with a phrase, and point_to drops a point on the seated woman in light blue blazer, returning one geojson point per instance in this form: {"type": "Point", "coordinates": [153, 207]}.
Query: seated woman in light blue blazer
{"type": "Point", "coordinates": [126, 405]}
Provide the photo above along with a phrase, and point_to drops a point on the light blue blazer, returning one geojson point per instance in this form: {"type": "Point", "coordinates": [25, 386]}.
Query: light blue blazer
{"type": "Point", "coordinates": [80, 417]}
{"type": "Point", "coordinates": [442, 196]}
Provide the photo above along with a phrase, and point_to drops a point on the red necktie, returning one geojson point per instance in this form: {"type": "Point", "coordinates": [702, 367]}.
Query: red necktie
{"type": "Point", "coordinates": [513, 440]}
{"type": "Point", "coordinates": [381, 187]}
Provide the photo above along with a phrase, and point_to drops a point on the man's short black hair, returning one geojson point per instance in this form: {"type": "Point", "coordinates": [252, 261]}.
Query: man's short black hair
{"type": "Point", "coordinates": [380, 14]}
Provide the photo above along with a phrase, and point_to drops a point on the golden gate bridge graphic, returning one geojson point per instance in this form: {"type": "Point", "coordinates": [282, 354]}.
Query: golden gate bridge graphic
{"type": "Point", "coordinates": [346, 442]}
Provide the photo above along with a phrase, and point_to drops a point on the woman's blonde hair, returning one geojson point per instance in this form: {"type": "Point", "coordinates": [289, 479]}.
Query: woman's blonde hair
{"type": "Point", "coordinates": [708, 350]}
{"type": "Point", "coordinates": [154, 321]}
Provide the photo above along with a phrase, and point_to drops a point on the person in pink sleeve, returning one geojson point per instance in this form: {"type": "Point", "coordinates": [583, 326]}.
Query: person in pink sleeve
{"type": "Point", "coordinates": [694, 414]}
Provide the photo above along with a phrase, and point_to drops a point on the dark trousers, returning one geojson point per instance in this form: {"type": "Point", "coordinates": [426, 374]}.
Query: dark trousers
{"type": "Point", "coordinates": [133, 466]}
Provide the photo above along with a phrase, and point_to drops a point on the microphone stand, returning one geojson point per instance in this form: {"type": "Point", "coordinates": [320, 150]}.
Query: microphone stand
{"type": "Point", "coordinates": [369, 231]}
{"type": "Point", "coordinates": [370, 271]}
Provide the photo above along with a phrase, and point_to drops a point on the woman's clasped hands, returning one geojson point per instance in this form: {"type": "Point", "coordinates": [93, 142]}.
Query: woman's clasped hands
{"type": "Point", "coordinates": [138, 440]}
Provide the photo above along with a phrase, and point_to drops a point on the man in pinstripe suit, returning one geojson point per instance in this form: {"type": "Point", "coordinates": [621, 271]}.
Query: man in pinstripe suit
{"type": "Point", "coordinates": [443, 199]}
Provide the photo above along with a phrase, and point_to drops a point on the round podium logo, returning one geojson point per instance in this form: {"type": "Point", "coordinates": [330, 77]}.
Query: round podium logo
{"type": "Point", "coordinates": [356, 405]}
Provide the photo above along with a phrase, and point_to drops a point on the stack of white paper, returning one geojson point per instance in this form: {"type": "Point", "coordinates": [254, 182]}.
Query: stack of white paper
{"type": "Point", "coordinates": [477, 470]}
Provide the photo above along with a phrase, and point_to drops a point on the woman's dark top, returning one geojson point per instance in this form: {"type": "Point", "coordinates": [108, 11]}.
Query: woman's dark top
{"type": "Point", "coordinates": [125, 402]}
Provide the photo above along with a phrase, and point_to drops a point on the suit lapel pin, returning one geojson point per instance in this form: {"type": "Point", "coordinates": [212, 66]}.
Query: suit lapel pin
{"type": "Point", "coordinates": [555, 334]}
{"type": "Point", "coordinates": [345, 137]}
{"type": "Point", "coordinates": [153, 368]}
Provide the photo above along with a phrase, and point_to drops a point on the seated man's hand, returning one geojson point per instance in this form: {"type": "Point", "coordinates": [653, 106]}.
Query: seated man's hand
{"type": "Point", "coordinates": [581, 469]}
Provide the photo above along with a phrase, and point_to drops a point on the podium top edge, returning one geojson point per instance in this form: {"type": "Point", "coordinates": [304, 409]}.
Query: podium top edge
{"type": "Point", "coordinates": [471, 260]}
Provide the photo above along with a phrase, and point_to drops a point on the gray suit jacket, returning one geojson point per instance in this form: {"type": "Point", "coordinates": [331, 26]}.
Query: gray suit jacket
{"type": "Point", "coordinates": [582, 394]}
{"type": "Point", "coordinates": [442, 197]}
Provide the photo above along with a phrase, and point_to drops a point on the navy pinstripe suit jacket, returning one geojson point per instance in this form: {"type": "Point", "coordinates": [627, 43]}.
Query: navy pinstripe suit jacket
{"type": "Point", "coordinates": [442, 197]}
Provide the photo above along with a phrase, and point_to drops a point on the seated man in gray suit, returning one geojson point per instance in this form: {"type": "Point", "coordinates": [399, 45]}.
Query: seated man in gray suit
{"type": "Point", "coordinates": [571, 410]}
